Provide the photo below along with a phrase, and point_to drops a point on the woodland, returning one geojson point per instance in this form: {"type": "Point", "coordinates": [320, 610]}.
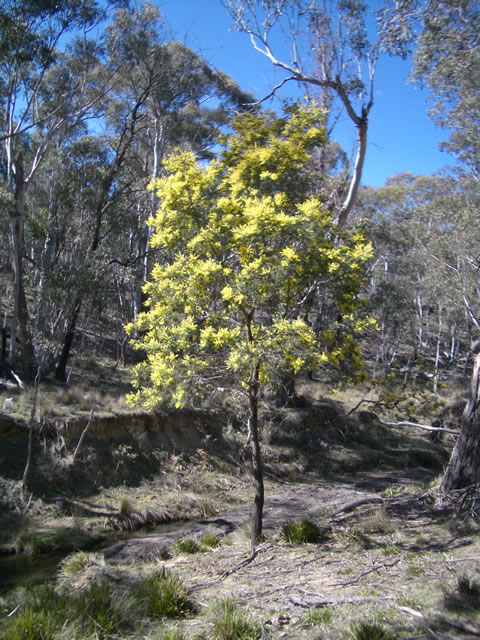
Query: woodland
{"type": "Point", "coordinates": [209, 252]}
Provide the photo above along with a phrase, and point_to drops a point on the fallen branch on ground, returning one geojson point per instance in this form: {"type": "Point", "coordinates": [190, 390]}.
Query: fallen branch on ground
{"type": "Point", "coordinates": [365, 573]}
{"type": "Point", "coordinates": [321, 601]}
{"type": "Point", "coordinates": [407, 423]}
{"type": "Point", "coordinates": [353, 505]}
{"type": "Point", "coordinates": [251, 557]}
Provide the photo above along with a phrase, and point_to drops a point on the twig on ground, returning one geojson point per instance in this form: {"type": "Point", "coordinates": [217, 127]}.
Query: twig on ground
{"type": "Point", "coordinates": [412, 612]}
{"type": "Point", "coordinates": [377, 567]}
{"type": "Point", "coordinates": [251, 558]}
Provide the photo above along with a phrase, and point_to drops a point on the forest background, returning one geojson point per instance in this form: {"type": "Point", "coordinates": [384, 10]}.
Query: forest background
{"type": "Point", "coordinates": [94, 98]}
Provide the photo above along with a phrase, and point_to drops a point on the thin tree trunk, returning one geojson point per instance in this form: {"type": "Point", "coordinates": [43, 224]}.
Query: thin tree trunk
{"type": "Point", "coordinates": [463, 469]}
{"type": "Point", "coordinates": [20, 316]}
{"type": "Point", "coordinates": [257, 467]}
{"type": "Point", "coordinates": [437, 352]}
{"type": "Point", "coordinates": [61, 370]}
{"type": "Point", "coordinates": [28, 461]}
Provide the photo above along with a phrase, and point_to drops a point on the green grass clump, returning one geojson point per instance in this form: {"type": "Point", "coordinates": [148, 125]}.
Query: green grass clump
{"type": "Point", "coordinates": [356, 535]}
{"type": "Point", "coordinates": [75, 563]}
{"type": "Point", "coordinates": [231, 622]}
{"type": "Point", "coordinates": [369, 631]}
{"type": "Point", "coordinates": [41, 614]}
{"type": "Point", "coordinates": [209, 540]}
{"type": "Point", "coordinates": [303, 532]}
{"type": "Point", "coordinates": [163, 595]}
{"type": "Point", "coordinates": [186, 545]}
{"type": "Point", "coordinates": [37, 616]}
{"type": "Point", "coordinates": [317, 617]}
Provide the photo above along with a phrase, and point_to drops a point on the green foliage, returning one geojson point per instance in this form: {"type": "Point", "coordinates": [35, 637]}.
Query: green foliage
{"type": "Point", "coordinates": [317, 617]}
{"type": "Point", "coordinates": [303, 532]}
{"type": "Point", "coordinates": [42, 613]}
{"type": "Point", "coordinates": [163, 595]}
{"type": "Point", "coordinates": [209, 540]}
{"type": "Point", "coordinates": [247, 247]}
{"type": "Point", "coordinates": [231, 622]}
{"type": "Point", "coordinates": [97, 610]}
{"type": "Point", "coordinates": [369, 631]}
{"type": "Point", "coordinates": [186, 545]}
{"type": "Point", "coordinates": [37, 618]}
{"type": "Point", "coordinates": [75, 563]}
{"type": "Point", "coordinates": [356, 535]}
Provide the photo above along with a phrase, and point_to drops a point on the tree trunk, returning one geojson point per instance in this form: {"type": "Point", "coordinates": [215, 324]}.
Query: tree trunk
{"type": "Point", "coordinates": [61, 370]}
{"type": "Point", "coordinates": [257, 468]}
{"type": "Point", "coordinates": [463, 469]}
{"type": "Point", "coordinates": [20, 317]}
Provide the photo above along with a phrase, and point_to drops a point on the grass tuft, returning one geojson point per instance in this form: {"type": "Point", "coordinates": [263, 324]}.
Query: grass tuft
{"type": "Point", "coordinates": [303, 532]}
{"type": "Point", "coordinates": [231, 622]}
{"type": "Point", "coordinates": [369, 631]}
{"type": "Point", "coordinates": [186, 545]}
{"type": "Point", "coordinates": [209, 540]}
{"type": "Point", "coordinates": [317, 617]}
{"type": "Point", "coordinates": [356, 535]}
{"type": "Point", "coordinates": [164, 595]}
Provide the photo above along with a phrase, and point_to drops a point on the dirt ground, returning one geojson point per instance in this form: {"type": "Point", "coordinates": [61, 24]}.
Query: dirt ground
{"type": "Point", "coordinates": [395, 558]}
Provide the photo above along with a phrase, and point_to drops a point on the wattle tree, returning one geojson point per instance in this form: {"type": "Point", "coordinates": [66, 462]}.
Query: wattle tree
{"type": "Point", "coordinates": [250, 255]}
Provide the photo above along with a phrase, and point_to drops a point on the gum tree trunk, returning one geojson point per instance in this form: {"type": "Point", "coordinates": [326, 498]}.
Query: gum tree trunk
{"type": "Point", "coordinates": [463, 469]}
{"type": "Point", "coordinates": [20, 326]}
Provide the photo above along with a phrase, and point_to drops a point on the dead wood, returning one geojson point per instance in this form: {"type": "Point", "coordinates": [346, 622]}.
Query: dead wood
{"type": "Point", "coordinates": [237, 567]}
{"type": "Point", "coordinates": [407, 423]}
{"type": "Point", "coordinates": [377, 567]}
{"type": "Point", "coordinates": [353, 505]}
{"type": "Point", "coordinates": [320, 601]}
{"type": "Point", "coordinates": [464, 627]}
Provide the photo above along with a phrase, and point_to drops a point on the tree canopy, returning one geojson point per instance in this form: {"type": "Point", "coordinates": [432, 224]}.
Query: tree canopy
{"type": "Point", "coordinates": [248, 252]}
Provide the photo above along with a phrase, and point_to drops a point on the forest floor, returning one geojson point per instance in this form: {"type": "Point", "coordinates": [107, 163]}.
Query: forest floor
{"type": "Point", "coordinates": [396, 560]}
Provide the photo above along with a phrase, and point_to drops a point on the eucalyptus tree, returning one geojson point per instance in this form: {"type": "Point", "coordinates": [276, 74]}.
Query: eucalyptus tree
{"type": "Point", "coordinates": [423, 284]}
{"type": "Point", "coordinates": [43, 96]}
{"type": "Point", "coordinates": [94, 251]}
{"type": "Point", "coordinates": [340, 63]}
{"type": "Point", "coordinates": [183, 102]}
{"type": "Point", "coordinates": [443, 37]}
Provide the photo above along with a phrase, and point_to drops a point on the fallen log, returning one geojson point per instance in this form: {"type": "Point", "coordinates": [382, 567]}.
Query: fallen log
{"type": "Point", "coordinates": [321, 601]}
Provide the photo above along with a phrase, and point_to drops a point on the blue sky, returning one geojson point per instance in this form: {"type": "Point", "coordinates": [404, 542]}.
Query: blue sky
{"type": "Point", "coordinates": [401, 136]}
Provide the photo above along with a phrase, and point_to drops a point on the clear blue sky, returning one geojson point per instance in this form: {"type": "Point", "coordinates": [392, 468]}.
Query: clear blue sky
{"type": "Point", "coordinates": [401, 136]}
